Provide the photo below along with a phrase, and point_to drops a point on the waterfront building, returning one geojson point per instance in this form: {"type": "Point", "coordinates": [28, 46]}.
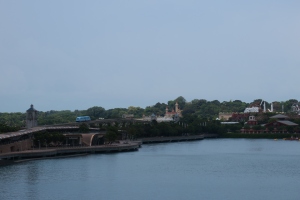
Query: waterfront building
{"type": "Point", "coordinates": [252, 121]}
{"type": "Point", "coordinates": [278, 124]}
{"type": "Point", "coordinates": [280, 121]}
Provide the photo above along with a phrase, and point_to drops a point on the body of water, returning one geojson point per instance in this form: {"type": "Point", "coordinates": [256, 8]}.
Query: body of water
{"type": "Point", "coordinates": [207, 169]}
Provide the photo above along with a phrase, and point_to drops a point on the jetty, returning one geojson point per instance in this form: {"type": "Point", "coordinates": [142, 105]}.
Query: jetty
{"type": "Point", "coordinates": [65, 151]}
{"type": "Point", "coordinates": [177, 138]}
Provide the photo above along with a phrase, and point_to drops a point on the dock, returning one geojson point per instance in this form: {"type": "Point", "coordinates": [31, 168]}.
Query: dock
{"type": "Point", "coordinates": [49, 152]}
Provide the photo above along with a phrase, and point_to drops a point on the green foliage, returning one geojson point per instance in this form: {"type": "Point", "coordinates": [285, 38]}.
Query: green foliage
{"type": "Point", "coordinates": [95, 112]}
{"type": "Point", "coordinates": [180, 100]}
{"type": "Point", "coordinates": [115, 113]}
{"type": "Point", "coordinates": [4, 128]}
{"type": "Point", "coordinates": [288, 104]}
{"type": "Point", "coordinates": [189, 125]}
{"type": "Point", "coordinates": [210, 109]}
{"type": "Point", "coordinates": [157, 109]}
{"type": "Point", "coordinates": [56, 117]}
{"type": "Point", "coordinates": [111, 134]}
{"type": "Point", "coordinates": [233, 128]}
{"type": "Point", "coordinates": [13, 119]}
{"type": "Point", "coordinates": [151, 130]}
{"type": "Point", "coordinates": [136, 111]}
{"type": "Point", "coordinates": [83, 128]}
{"type": "Point", "coordinates": [198, 108]}
{"type": "Point", "coordinates": [255, 136]}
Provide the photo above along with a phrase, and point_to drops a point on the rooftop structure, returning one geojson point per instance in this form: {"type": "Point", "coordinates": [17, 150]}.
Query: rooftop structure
{"type": "Point", "coordinates": [252, 110]}
{"type": "Point", "coordinates": [31, 117]}
{"type": "Point", "coordinates": [281, 120]}
{"type": "Point", "coordinates": [279, 117]}
{"type": "Point", "coordinates": [173, 112]}
{"type": "Point", "coordinates": [252, 121]}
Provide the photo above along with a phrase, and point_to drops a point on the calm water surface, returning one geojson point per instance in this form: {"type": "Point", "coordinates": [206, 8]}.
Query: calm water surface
{"type": "Point", "coordinates": [208, 169]}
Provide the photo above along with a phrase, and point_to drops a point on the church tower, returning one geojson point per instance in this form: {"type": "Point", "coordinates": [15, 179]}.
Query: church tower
{"type": "Point", "coordinates": [31, 117]}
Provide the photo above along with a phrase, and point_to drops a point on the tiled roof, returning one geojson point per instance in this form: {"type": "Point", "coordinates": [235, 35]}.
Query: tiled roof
{"type": "Point", "coordinates": [288, 123]}
{"type": "Point", "coordinates": [279, 116]}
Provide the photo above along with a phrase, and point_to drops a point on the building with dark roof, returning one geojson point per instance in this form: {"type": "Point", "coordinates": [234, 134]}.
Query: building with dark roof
{"type": "Point", "coordinates": [280, 121]}
{"type": "Point", "coordinates": [279, 117]}
{"type": "Point", "coordinates": [31, 117]}
{"type": "Point", "coordinates": [278, 124]}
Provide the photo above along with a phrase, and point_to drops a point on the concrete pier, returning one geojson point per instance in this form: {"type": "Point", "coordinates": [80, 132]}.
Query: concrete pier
{"type": "Point", "coordinates": [132, 146]}
{"type": "Point", "coordinates": [171, 139]}
{"type": "Point", "coordinates": [177, 138]}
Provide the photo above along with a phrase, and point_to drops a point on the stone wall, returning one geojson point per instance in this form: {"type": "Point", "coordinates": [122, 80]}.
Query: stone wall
{"type": "Point", "coordinates": [16, 146]}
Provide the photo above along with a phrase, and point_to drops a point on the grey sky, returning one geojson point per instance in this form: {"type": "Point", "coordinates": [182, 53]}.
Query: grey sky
{"type": "Point", "coordinates": [67, 55]}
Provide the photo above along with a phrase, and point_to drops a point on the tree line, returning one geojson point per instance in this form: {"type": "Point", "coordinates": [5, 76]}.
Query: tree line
{"type": "Point", "coordinates": [198, 108]}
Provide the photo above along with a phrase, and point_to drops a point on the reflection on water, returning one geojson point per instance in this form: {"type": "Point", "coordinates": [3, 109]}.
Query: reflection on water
{"type": "Point", "coordinates": [207, 169]}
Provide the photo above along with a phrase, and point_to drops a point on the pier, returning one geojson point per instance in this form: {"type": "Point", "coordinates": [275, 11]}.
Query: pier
{"type": "Point", "coordinates": [49, 152]}
{"type": "Point", "coordinates": [177, 138]}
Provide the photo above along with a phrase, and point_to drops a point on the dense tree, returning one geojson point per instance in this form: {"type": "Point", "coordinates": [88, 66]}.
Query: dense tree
{"type": "Point", "coordinates": [4, 128]}
{"type": "Point", "coordinates": [95, 112]}
{"type": "Point", "coordinates": [198, 108]}
{"type": "Point", "coordinates": [158, 109]}
{"type": "Point", "coordinates": [13, 119]}
{"type": "Point", "coordinates": [136, 111]}
{"type": "Point", "coordinates": [83, 128]}
{"type": "Point", "coordinates": [111, 134]}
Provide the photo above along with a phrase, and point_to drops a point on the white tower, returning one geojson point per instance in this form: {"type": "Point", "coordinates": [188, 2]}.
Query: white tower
{"type": "Point", "coordinates": [272, 107]}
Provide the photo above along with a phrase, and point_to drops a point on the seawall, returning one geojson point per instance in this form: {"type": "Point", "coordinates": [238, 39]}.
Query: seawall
{"type": "Point", "coordinates": [132, 146]}
{"type": "Point", "coordinates": [177, 138]}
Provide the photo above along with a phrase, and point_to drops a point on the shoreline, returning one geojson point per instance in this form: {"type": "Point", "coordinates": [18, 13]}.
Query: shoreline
{"type": "Point", "coordinates": [259, 135]}
{"type": "Point", "coordinates": [124, 146]}
{"type": "Point", "coordinates": [66, 152]}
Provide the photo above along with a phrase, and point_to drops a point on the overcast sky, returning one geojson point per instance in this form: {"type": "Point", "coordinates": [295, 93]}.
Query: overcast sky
{"type": "Point", "coordinates": [67, 55]}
